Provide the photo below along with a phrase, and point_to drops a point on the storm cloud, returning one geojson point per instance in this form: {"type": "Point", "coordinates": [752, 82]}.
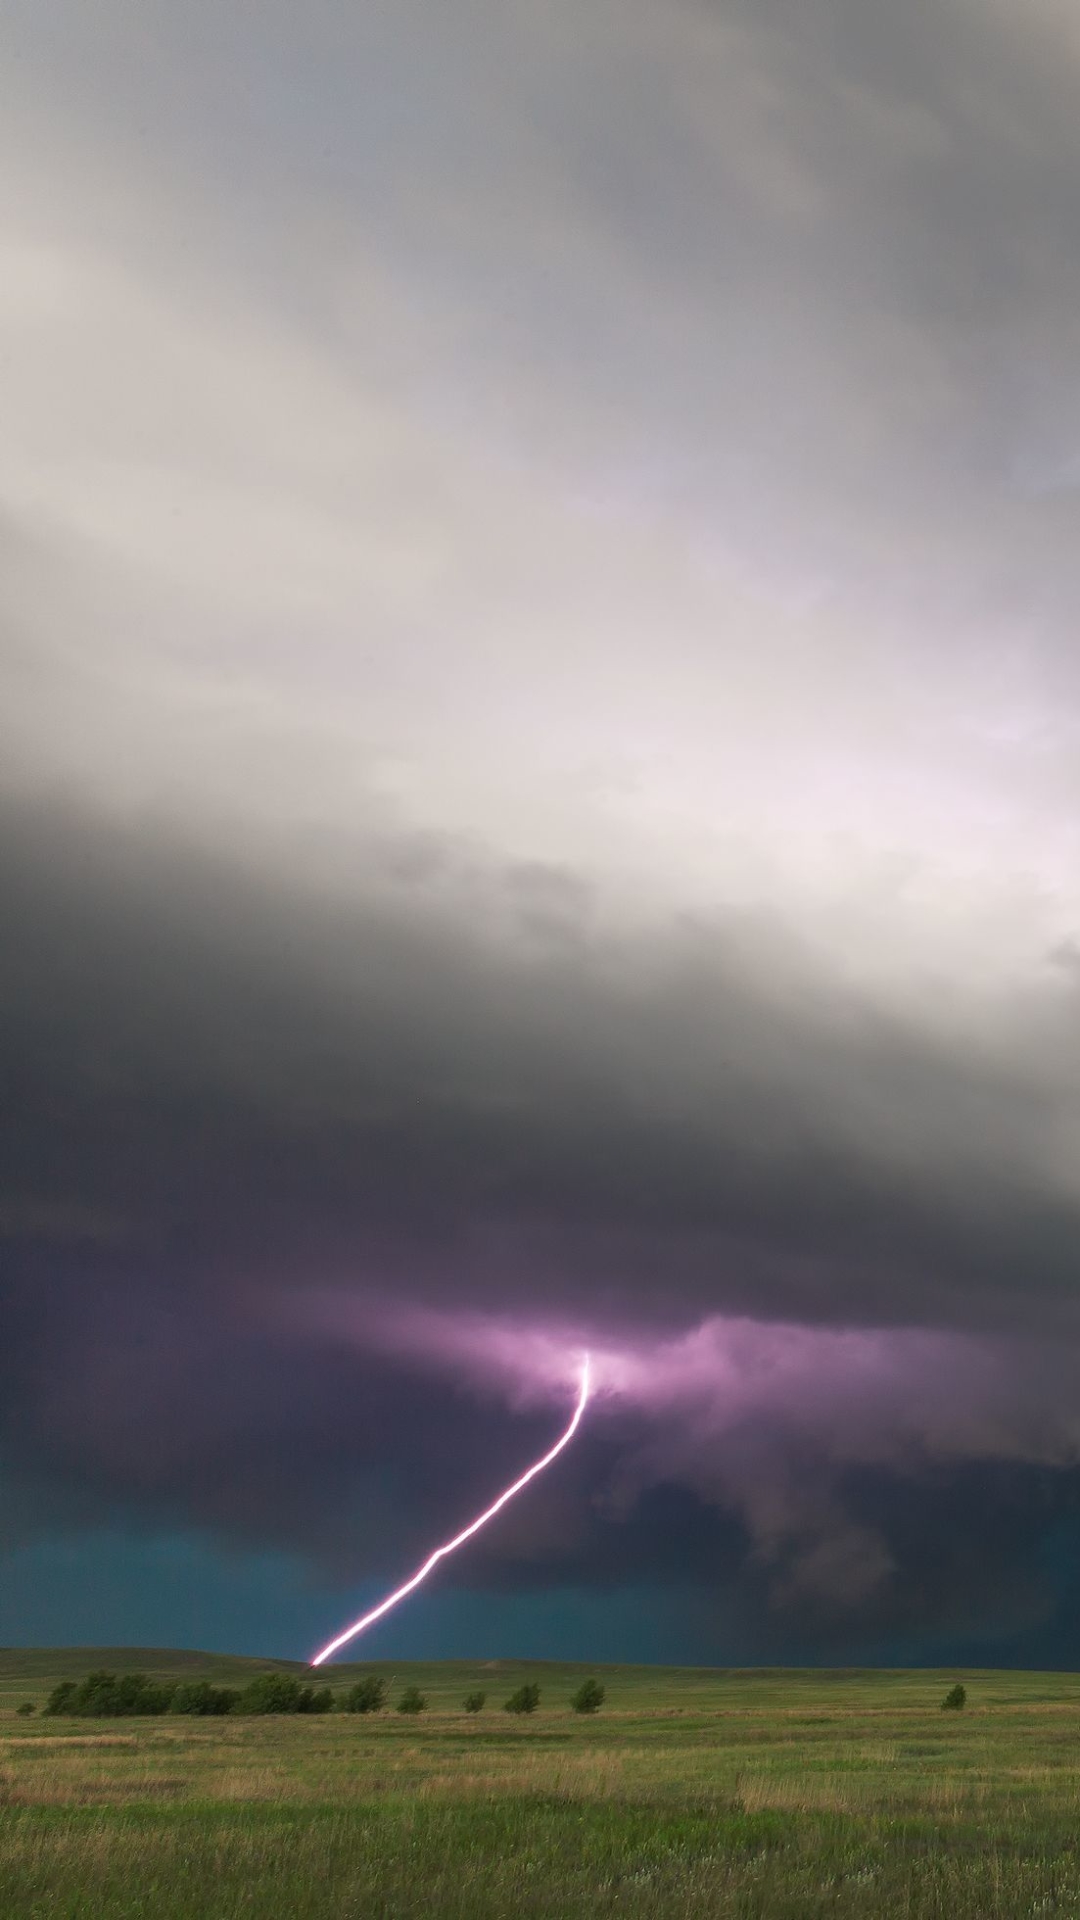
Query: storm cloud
{"type": "Point", "coordinates": [539, 757]}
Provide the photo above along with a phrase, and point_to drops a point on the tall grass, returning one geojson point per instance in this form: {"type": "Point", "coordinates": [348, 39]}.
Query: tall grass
{"type": "Point", "coordinates": [744, 1795]}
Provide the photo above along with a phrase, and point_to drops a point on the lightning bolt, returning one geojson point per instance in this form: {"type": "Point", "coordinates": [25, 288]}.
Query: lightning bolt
{"type": "Point", "coordinates": [451, 1546]}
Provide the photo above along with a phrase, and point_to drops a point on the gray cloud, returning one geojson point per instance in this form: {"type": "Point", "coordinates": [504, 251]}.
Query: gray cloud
{"type": "Point", "coordinates": [539, 735]}
{"type": "Point", "coordinates": [435, 1057]}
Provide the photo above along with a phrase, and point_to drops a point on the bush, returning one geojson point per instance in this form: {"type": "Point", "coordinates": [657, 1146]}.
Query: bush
{"type": "Point", "coordinates": [954, 1699]}
{"type": "Point", "coordinates": [97, 1695]}
{"type": "Point", "coordinates": [25, 1707]}
{"type": "Point", "coordinates": [102, 1694]}
{"type": "Point", "coordinates": [267, 1693]}
{"type": "Point", "coordinates": [272, 1693]}
{"type": "Point", "coordinates": [106, 1695]}
{"type": "Point", "coordinates": [198, 1696]}
{"type": "Point", "coordinates": [320, 1702]}
{"type": "Point", "coordinates": [589, 1697]}
{"type": "Point", "coordinates": [134, 1693]}
{"type": "Point", "coordinates": [366, 1696]}
{"type": "Point", "coordinates": [525, 1700]}
{"type": "Point", "coordinates": [412, 1701]}
{"type": "Point", "coordinates": [474, 1702]}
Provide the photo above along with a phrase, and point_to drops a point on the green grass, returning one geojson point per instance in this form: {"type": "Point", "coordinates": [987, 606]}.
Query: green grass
{"type": "Point", "coordinates": [762, 1793]}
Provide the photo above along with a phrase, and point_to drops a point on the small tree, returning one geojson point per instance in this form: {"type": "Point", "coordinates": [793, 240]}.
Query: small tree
{"type": "Point", "coordinates": [61, 1697]}
{"type": "Point", "coordinates": [136, 1694]}
{"type": "Point", "coordinates": [412, 1701]}
{"type": "Point", "coordinates": [319, 1701]}
{"type": "Point", "coordinates": [525, 1700]}
{"type": "Point", "coordinates": [272, 1693]}
{"type": "Point", "coordinates": [96, 1696]}
{"type": "Point", "coordinates": [474, 1702]}
{"type": "Point", "coordinates": [199, 1697]}
{"type": "Point", "coordinates": [25, 1707]}
{"type": "Point", "coordinates": [105, 1695]}
{"type": "Point", "coordinates": [192, 1696]}
{"type": "Point", "coordinates": [954, 1699]}
{"type": "Point", "coordinates": [366, 1696]}
{"type": "Point", "coordinates": [589, 1697]}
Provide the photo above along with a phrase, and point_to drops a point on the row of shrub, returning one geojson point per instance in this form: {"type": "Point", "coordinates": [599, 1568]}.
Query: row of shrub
{"type": "Point", "coordinates": [109, 1695]}
{"type": "Point", "coordinates": [113, 1695]}
{"type": "Point", "coordinates": [369, 1696]}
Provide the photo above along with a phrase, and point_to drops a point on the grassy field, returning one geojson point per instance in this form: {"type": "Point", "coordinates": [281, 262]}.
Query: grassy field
{"type": "Point", "coordinates": [692, 1793]}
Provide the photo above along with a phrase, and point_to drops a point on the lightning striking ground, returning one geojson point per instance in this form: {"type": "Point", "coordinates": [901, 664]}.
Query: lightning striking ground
{"type": "Point", "coordinates": [440, 1553]}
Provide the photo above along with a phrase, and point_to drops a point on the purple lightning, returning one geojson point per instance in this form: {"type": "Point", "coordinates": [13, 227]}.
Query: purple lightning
{"type": "Point", "coordinates": [440, 1553]}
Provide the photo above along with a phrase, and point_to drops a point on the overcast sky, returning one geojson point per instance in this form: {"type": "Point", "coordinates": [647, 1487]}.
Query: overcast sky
{"type": "Point", "coordinates": [540, 762]}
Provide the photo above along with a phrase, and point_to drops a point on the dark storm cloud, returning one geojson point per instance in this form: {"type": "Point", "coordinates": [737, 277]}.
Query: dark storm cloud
{"type": "Point", "coordinates": [693, 1121]}
{"type": "Point", "coordinates": [539, 736]}
{"type": "Point", "coordinates": [225, 1097]}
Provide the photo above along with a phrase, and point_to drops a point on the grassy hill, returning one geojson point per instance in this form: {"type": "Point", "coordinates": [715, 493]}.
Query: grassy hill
{"type": "Point", "coordinates": [30, 1672]}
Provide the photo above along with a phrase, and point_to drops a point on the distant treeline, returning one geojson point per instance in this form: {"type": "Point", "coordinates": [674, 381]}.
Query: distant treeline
{"type": "Point", "coordinates": [112, 1696]}
{"type": "Point", "coordinates": [109, 1695]}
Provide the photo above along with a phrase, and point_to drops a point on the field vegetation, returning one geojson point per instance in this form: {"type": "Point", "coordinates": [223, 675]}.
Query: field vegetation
{"type": "Point", "coordinates": [763, 1793]}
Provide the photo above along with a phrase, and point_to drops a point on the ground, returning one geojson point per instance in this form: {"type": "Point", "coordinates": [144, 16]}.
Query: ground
{"type": "Point", "coordinates": [692, 1792]}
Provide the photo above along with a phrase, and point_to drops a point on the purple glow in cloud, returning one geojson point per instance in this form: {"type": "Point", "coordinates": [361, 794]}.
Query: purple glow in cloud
{"type": "Point", "coordinates": [762, 1419]}
{"type": "Point", "coordinates": [450, 1546]}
